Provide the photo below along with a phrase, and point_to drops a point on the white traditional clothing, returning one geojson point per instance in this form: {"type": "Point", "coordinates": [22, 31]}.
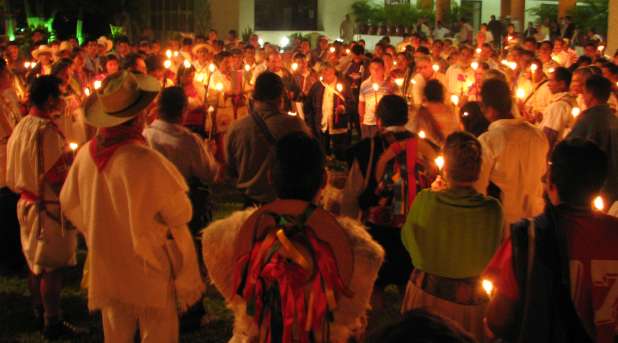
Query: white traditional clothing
{"type": "Point", "coordinates": [37, 148]}
{"type": "Point", "coordinates": [350, 312]}
{"type": "Point", "coordinates": [557, 116]}
{"type": "Point", "coordinates": [126, 211]}
{"type": "Point", "coordinates": [458, 79]}
{"type": "Point", "coordinates": [9, 117]}
{"type": "Point", "coordinates": [514, 159]}
{"type": "Point", "coordinates": [541, 96]}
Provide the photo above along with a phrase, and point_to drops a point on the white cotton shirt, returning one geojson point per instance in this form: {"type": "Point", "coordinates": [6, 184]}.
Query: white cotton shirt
{"type": "Point", "coordinates": [540, 99]}
{"type": "Point", "coordinates": [456, 77]}
{"type": "Point", "coordinates": [327, 106]}
{"type": "Point", "coordinates": [514, 159]}
{"type": "Point", "coordinates": [371, 99]}
{"type": "Point", "coordinates": [125, 213]}
{"type": "Point", "coordinates": [557, 116]}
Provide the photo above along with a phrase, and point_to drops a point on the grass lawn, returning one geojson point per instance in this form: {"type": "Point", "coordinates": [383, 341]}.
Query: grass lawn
{"type": "Point", "coordinates": [17, 325]}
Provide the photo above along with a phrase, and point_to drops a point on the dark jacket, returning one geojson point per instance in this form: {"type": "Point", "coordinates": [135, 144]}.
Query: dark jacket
{"type": "Point", "coordinates": [312, 108]}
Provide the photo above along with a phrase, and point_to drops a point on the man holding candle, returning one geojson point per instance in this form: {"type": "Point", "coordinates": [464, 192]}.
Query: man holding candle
{"type": "Point", "coordinates": [514, 155]}
{"type": "Point", "coordinates": [555, 278]}
{"type": "Point", "coordinates": [557, 116]}
{"type": "Point", "coordinates": [599, 125]}
{"type": "Point", "coordinates": [325, 112]}
{"type": "Point", "coordinates": [371, 91]}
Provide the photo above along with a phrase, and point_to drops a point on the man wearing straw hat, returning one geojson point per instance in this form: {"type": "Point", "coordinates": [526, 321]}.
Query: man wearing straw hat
{"type": "Point", "coordinates": [131, 205]}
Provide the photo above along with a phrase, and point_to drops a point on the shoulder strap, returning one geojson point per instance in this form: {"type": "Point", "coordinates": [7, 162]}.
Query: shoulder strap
{"type": "Point", "coordinates": [259, 121]}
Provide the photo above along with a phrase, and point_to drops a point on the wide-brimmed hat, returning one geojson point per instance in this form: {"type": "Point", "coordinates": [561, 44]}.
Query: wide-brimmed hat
{"type": "Point", "coordinates": [42, 49]}
{"type": "Point", "coordinates": [123, 96]}
{"type": "Point", "coordinates": [322, 222]}
{"type": "Point", "coordinates": [200, 46]}
{"type": "Point", "coordinates": [108, 44]}
{"type": "Point", "coordinates": [64, 46]}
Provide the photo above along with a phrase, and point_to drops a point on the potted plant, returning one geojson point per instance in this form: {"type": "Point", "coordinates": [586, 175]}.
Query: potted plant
{"type": "Point", "coordinates": [362, 14]}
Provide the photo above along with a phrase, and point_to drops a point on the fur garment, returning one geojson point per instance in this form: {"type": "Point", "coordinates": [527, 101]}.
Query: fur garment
{"type": "Point", "coordinates": [220, 260]}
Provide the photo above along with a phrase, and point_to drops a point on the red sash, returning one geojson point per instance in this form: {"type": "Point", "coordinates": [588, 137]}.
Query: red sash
{"type": "Point", "coordinates": [108, 140]}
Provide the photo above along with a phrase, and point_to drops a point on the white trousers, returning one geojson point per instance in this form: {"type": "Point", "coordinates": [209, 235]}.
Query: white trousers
{"type": "Point", "coordinates": [155, 325]}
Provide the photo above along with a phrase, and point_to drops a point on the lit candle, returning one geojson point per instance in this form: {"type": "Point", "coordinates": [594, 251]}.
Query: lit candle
{"type": "Point", "coordinates": [505, 62]}
{"type": "Point", "coordinates": [87, 91]}
{"type": "Point", "coordinates": [551, 70]}
{"type": "Point", "coordinates": [394, 63]}
{"type": "Point", "coordinates": [439, 162]}
{"type": "Point", "coordinates": [73, 146]}
{"type": "Point", "coordinates": [465, 114]}
{"type": "Point", "coordinates": [168, 53]}
{"type": "Point", "coordinates": [339, 87]}
{"type": "Point", "coordinates": [97, 84]}
{"type": "Point", "coordinates": [375, 87]}
{"type": "Point", "coordinates": [332, 49]}
{"type": "Point", "coordinates": [293, 114]}
{"type": "Point", "coordinates": [219, 87]}
{"type": "Point", "coordinates": [199, 77]}
{"type": "Point", "coordinates": [211, 68]}
{"type": "Point", "coordinates": [247, 68]}
{"type": "Point", "coordinates": [413, 81]}
{"type": "Point", "coordinates": [488, 286]}
{"type": "Point", "coordinates": [534, 67]}
{"type": "Point", "coordinates": [294, 66]}
{"type": "Point", "coordinates": [175, 53]}
{"type": "Point", "coordinates": [601, 48]}
{"type": "Point", "coordinates": [455, 99]}
{"type": "Point", "coordinates": [599, 203]}
{"type": "Point", "coordinates": [509, 38]}
{"type": "Point", "coordinates": [26, 64]}
{"type": "Point", "coordinates": [167, 64]}
{"type": "Point", "coordinates": [186, 64]}
{"type": "Point", "coordinates": [575, 111]}
{"type": "Point", "coordinates": [399, 82]}
{"type": "Point", "coordinates": [421, 134]}
{"type": "Point", "coordinates": [478, 50]}
{"type": "Point", "coordinates": [474, 65]}
{"type": "Point", "coordinates": [513, 65]}
{"type": "Point", "coordinates": [520, 93]}
{"type": "Point", "coordinates": [347, 51]}
{"type": "Point", "coordinates": [435, 67]}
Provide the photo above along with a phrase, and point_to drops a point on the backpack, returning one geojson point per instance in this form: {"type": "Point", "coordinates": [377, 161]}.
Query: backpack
{"type": "Point", "coordinates": [399, 176]}
{"type": "Point", "coordinates": [289, 279]}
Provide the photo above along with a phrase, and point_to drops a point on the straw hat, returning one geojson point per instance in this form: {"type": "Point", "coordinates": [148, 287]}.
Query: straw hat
{"type": "Point", "coordinates": [64, 46]}
{"type": "Point", "coordinates": [123, 96]}
{"type": "Point", "coordinates": [42, 49]}
{"type": "Point", "coordinates": [200, 46]}
{"type": "Point", "coordinates": [108, 44]}
{"type": "Point", "coordinates": [323, 224]}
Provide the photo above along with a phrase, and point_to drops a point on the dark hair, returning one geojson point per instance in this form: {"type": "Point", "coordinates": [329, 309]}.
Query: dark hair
{"type": "Point", "coordinates": [187, 41]}
{"type": "Point", "coordinates": [130, 61]}
{"type": "Point", "coordinates": [298, 170]}
{"type": "Point", "coordinates": [434, 91]}
{"type": "Point", "coordinates": [43, 87]}
{"type": "Point", "coordinates": [495, 93]}
{"type": "Point", "coordinates": [392, 110]}
{"type": "Point", "coordinates": [172, 103]}
{"type": "Point", "coordinates": [423, 50]}
{"type": "Point", "coordinates": [423, 326]}
{"type": "Point", "coordinates": [377, 60]}
{"type": "Point", "coordinates": [60, 66]}
{"type": "Point", "coordinates": [154, 62]}
{"type": "Point", "coordinates": [578, 168]}
{"type": "Point", "coordinates": [358, 49]}
{"type": "Point", "coordinates": [268, 87]}
{"type": "Point", "coordinates": [473, 119]}
{"type": "Point", "coordinates": [462, 153]}
{"type": "Point", "coordinates": [599, 87]}
{"type": "Point", "coordinates": [562, 74]}
{"type": "Point", "coordinates": [2, 64]}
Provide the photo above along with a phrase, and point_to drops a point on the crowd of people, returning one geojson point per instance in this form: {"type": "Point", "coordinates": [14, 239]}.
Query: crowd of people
{"type": "Point", "coordinates": [481, 176]}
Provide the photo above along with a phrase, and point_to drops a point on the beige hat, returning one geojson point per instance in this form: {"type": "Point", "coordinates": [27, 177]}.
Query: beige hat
{"type": "Point", "coordinates": [123, 96]}
{"type": "Point", "coordinates": [200, 46]}
{"type": "Point", "coordinates": [108, 44]}
{"type": "Point", "coordinates": [64, 46]}
{"type": "Point", "coordinates": [42, 49]}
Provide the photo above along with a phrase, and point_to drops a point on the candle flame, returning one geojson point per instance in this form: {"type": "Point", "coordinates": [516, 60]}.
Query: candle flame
{"type": "Point", "coordinates": [199, 77]}
{"type": "Point", "coordinates": [175, 53]}
{"type": "Point", "coordinates": [211, 109]}
{"type": "Point", "coordinates": [167, 64]}
{"type": "Point", "coordinates": [87, 91]}
{"type": "Point", "coordinates": [399, 82]}
{"type": "Point", "coordinates": [551, 70]}
{"type": "Point", "coordinates": [27, 64]}
{"type": "Point", "coordinates": [575, 111]}
{"type": "Point", "coordinates": [599, 203]}
{"type": "Point", "coordinates": [488, 286]}
{"type": "Point", "coordinates": [347, 51]}
{"type": "Point", "coordinates": [219, 87]}
{"type": "Point", "coordinates": [439, 162]}
{"type": "Point", "coordinates": [339, 87]}
{"type": "Point", "coordinates": [294, 66]}
{"type": "Point", "coordinates": [474, 65]}
{"type": "Point", "coordinates": [421, 134]}
{"type": "Point", "coordinates": [168, 53]}
{"type": "Point", "coordinates": [375, 87]}
{"type": "Point", "coordinates": [533, 67]}
{"type": "Point", "coordinates": [247, 67]}
{"type": "Point", "coordinates": [478, 50]}
{"type": "Point", "coordinates": [293, 114]}
{"type": "Point", "coordinates": [455, 99]}
{"type": "Point", "coordinates": [465, 114]}
{"type": "Point", "coordinates": [97, 84]}
{"type": "Point", "coordinates": [186, 64]}
{"type": "Point", "coordinates": [521, 93]}
{"type": "Point", "coordinates": [73, 146]}
{"type": "Point", "coordinates": [435, 67]}
{"type": "Point", "coordinates": [332, 49]}
{"type": "Point", "coordinates": [211, 68]}
{"type": "Point", "coordinates": [601, 48]}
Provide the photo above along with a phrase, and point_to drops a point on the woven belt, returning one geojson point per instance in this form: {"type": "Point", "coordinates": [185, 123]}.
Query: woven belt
{"type": "Point", "coordinates": [467, 291]}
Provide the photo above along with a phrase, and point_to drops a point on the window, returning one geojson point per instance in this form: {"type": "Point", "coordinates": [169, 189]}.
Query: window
{"type": "Point", "coordinates": [286, 15]}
